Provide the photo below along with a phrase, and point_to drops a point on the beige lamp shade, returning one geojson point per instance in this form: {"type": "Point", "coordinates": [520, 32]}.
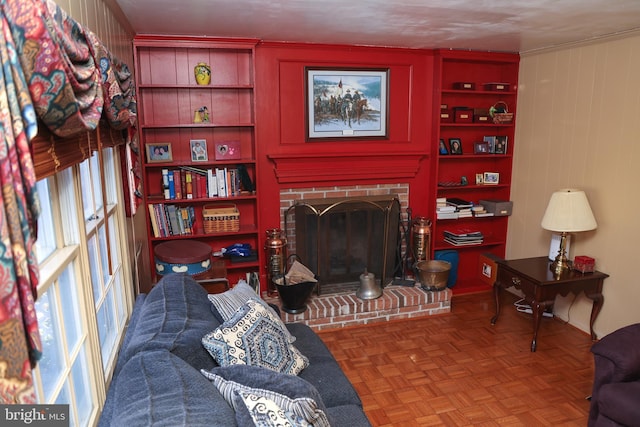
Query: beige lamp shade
{"type": "Point", "coordinates": [569, 211]}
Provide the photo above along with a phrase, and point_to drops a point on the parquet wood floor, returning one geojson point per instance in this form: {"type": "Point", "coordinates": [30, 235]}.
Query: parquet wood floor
{"type": "Point", "coordinates": [457, 369]}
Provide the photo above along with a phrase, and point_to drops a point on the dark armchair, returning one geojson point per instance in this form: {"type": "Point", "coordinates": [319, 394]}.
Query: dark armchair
{"type": "Point", "coordinates": [615, 400]}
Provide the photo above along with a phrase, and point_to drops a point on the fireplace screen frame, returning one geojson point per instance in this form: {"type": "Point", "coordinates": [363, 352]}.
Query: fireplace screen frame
{"type": "Point", "coordinates": [319, 211]}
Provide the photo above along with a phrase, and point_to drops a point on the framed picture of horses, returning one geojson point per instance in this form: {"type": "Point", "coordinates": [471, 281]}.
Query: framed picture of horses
{"type": "Point", "coordinates": [346, 103]}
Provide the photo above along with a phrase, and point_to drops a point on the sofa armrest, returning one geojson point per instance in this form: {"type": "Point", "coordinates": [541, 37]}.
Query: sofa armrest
{"type": "Point", "coordinates": [621, 352]}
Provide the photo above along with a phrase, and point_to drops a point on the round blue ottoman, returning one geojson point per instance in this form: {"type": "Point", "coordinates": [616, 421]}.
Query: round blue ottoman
{"type": "Point", "coordinates": [182, 256]}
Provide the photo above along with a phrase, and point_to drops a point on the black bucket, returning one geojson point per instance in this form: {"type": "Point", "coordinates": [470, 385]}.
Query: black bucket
{"type": "Point", "coordinates": [294, 297]}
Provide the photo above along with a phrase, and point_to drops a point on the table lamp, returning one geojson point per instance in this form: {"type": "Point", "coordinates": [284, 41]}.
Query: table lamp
{"type": "Point", "coordinates": [568, 212]}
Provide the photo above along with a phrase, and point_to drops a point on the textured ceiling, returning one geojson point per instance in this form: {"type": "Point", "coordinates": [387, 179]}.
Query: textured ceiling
{"type": "Point", "coordinates": [498, 25]}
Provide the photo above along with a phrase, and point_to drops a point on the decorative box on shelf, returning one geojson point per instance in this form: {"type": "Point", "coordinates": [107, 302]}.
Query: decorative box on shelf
{"type": "Point", "coordinates": [497, 87]}
{"type": "Point", "coordinates": [481, 115]}
{"type": "Point", "coordinates": [463, 114]}
{"type": "Point", "coordinates": [446, 116]}
{"type": "Point", "coordinates": [498, 207]}
{"type": "Point", "coordinates": [584, 264]}
{"type": "Point", "coordinates": [464, 86]}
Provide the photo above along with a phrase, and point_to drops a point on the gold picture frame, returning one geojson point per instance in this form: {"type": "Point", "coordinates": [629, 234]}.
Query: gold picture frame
{"type": "Point", "coordinates": [159, 152]}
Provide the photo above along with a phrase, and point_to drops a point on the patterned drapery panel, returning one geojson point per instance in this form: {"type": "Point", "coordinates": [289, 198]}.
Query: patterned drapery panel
{"type": "Point", "coordinates": [20, 344]}
{"type": "Point", "coordinates": [58, 73]}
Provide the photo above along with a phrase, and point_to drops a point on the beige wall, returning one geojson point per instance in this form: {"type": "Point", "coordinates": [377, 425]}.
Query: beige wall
{"type": "Point", "coordinates": [578, 125]}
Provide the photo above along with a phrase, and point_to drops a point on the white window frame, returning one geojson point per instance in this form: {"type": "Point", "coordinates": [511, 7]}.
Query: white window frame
{"type": "Point", "coordinates": [72, 237]}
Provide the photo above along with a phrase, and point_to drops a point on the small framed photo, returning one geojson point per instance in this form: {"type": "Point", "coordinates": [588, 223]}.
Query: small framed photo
{"type": "Point", "coordinates": [481, 147]}
{"type": "Point", "coordinates": [159, 152]}
{"type": "Point", "coordinates": [491, 140]}
{"type": "Point", "coordinates": [479, 179]}
{"type": "Point", "coordinates": [228, 150]}
{"type": "Point", "coordinates": [455, 146]}
{"type": "Point", "coordinates": [501, 145]}
{"type": "Point", "coordinates": [442, 148]}
{"type": "Point", "coordinates": [491, 178]}
{"type": "Point", "coordinates": [199, 150]}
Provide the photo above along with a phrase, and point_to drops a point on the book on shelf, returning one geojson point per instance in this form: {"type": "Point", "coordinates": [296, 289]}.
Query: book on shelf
{"type": "Point", "coordinates": [472, 235]}
{"type": "Point", "coordinates": [445, 209]}
{"type": "Point", "coordinates": [154, 222]}
{"type": "Point", "coordinates": [177, 182]}
{"type": "Point", "coordinates": [459, 203]}
{"type": "Point", "coordinates": [171, 220]}
{"type": "Point", "coordinates": [165, 184]}
{"type": "Point", "coordinates": [447, 215]}
{"type": "Point", "coordinates": [463, 243]}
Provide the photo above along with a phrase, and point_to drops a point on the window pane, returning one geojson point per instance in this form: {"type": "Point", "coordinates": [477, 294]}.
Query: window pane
{"type": "Point", "coordinates": [95, 180]}
{"type": "Point", "coordinates": [82, 388]}
{"type": "Point", "coordinates": [52, 362]}
{"type": "Point", "coordinates": [70, 314]}
{"type": "Point", "coordinates": [117, 288]}
{"type": "Point", "coordinates": [91, 187]}
{"type": "Point", "coordinates": [104, 255]}
{"type": "Point", "coordinates": [115, 259]}
{"type": "Point", "coordinates": [87, 197]}
{"type": "Point", "coordinates": [106, 328]}
{"type": "Point", "coordinates": [46, 242]}
{"type": "Point", "coordinates": [94, 265]}
{"type": "Point", "coordinates": [64, 398]}
{"type": "Point", "coordinates": [108, 157]}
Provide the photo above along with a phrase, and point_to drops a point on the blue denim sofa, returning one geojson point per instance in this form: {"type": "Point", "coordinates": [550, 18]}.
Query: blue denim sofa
{"type": "Point", "coordinates": [157, 379]}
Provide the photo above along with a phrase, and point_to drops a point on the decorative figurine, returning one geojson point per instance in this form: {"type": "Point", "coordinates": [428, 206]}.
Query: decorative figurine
{"type": "Point", "coordinates": [201, 115]}
{"type": "Point", "coordinates": [202, 72]}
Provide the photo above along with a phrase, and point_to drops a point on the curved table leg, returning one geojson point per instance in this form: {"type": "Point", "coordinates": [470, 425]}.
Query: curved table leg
{"type": "Point", "coordinates": [598, 301]}
{"type": "Point", "coordinates": [538, 308]}
{"type": "Point", "coordinates": [496, 295]}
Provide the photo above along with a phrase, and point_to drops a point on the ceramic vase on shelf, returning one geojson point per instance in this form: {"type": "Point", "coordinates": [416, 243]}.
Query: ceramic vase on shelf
{"type": "Point", "coordinates": [202, 72]}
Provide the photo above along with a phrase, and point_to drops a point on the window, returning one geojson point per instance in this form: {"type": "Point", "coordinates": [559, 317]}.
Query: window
{"type": "Point", "coordinates": [80, 326]}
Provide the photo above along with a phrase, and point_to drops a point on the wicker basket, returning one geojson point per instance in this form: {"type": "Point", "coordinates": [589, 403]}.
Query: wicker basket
{"type": "Point", "coordinates": [500, 113]}
{"type": "Point", "coordinates": [221, 218]}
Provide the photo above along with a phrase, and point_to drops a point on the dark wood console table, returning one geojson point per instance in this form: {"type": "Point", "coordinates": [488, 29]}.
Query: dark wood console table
{"type": "Point", "coordinates": [533, 276]}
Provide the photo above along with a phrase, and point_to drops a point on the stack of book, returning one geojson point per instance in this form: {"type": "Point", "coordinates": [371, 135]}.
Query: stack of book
{"type": "Point", "coordinates": [480, 211]}
{"type": "Point", "coordinates": [453, 208]}
{"type": "Point", "coordinates": [444, 211]}
{"type": "Point", "coordinates": [463, 238]}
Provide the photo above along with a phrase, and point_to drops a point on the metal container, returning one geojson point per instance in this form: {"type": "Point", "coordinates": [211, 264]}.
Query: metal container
{"type": "Point", "coordinates": [275, 248]}
{"type": "Point", "coordinates": [433, 274]}
{"type": "Point", "coordinates": [421, 239]}
{"type": "Point", "coordinates": [369, 288]}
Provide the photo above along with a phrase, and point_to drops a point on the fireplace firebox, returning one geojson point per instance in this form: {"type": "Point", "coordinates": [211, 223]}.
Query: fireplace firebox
{"type": "Point", "coordinates": [340, 238]}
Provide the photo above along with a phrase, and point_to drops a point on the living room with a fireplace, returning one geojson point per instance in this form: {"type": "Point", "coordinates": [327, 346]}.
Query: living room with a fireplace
{"type": "Point", "coordinates": [127, 344]}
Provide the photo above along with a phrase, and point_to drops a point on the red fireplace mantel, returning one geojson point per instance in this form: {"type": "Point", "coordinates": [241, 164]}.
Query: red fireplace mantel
{"type": "Point", "coordinates": [313, 167]}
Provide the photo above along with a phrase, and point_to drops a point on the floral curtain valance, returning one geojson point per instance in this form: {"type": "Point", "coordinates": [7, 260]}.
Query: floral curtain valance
{"type": "Point", "coordinates": [72, 77]}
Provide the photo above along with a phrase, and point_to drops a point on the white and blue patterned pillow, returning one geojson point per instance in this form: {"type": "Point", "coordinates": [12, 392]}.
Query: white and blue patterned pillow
{"type": "Point", "coordinates": [252, 337]}
{"type": "Point", "coordinates": [226, 304]}
{"type": "Point", "coordinates": [265, 412]}
{"type": "Point", "coordinates": [261, 397]}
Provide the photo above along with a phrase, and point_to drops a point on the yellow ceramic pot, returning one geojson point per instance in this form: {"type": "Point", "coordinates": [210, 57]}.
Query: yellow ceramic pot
{"type": "Point", "coordinates": [202, 72]}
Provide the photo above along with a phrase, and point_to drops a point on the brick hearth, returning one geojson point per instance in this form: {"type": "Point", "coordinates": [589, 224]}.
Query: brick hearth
{"type": "Point", "coordinates": [338, 310]}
